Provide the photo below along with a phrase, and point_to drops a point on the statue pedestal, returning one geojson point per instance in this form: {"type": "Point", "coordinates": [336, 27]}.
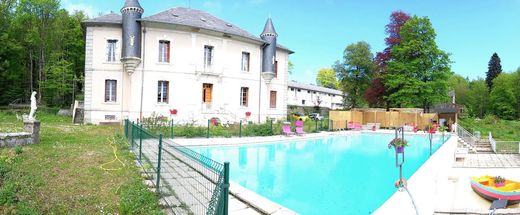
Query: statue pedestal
{"type": "Point", "coordinates": [33, 127]}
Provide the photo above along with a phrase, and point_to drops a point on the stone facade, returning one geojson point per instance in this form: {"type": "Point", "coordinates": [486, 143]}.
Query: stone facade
{"type": "Point", "coordinates": [185, 73]}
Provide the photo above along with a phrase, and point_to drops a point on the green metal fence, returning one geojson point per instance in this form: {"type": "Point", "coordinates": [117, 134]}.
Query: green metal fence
{"type": "Point", "coordinates": [188, 182]}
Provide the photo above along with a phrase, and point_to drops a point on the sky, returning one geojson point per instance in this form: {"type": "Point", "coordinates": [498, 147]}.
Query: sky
{"type": "Point", "coordinates": [318, 31]}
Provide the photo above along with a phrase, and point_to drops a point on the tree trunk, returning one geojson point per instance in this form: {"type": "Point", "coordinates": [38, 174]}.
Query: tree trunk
{"type": "Point", "coordinates": [31, 69]}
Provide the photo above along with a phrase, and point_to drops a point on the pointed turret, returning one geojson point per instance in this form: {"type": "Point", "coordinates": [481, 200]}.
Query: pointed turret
{"type": "Point", "coordinates": [269, 51]}
{"type": "Point", "coordinates": [131, 56]}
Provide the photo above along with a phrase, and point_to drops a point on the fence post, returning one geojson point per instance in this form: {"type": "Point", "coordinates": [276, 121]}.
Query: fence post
{"type": "Point", "coordinates": [240, 129]}
{"type": "Point", "coordinates": [132, 135]}
{"type": "Point", "coordinates": [226, 187]}
{"type": "Point", "coordinates": [207, 133]}
{"type": "Point", "coordinates": [431, 137]}
{"type": "Point", "coordinates": [158, 190]}
{"type": "Point", "coordinates": [331, 125]}
{"type": "Point", "coordinates": [140, 142]}
{"type": "Point", "coordinates": [171, 129]}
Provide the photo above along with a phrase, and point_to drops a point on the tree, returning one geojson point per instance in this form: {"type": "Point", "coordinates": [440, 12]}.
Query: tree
{"type": "Point", "coordinates": [503, 98]}
{"type": "Point", "coordinates": [460, 85]}
{"type": "Point", "coordinates": [418, 75]}
{"type": "Point", "coordinates": [327, 78]}
{"type": "Point", "coordinates": [355, 72]}
{"type": "Point", "coordinates": [376, 92]}
{"type": "Point", "coordinates": [290, 67]}
{"type": "Point", "coordinates": [494, 69]}
{"type": "Point", "coordinates": [478, 98]}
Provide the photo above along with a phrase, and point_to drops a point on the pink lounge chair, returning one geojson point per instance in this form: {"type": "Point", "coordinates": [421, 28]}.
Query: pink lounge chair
{"type": "Point", "coordinates": [299, 131]}
{"type": "Point", "coordinates": [299, 123]}
{"type": "Point", "coordinates": [286, 129]}
{"type": "Point", "coordinates": [354, 126]}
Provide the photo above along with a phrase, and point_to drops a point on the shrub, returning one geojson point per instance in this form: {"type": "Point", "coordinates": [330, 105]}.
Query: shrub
{"type": "Point", "coordinates": [490, 119]}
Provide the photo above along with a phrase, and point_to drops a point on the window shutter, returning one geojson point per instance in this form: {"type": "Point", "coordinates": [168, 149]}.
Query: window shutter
{"type": "Point", "coordinates": [107, 54]}
{"type": "Point", "coordinates": [114, 90]}
{"type": "Point", "coordinates": [168, 52]}
{"type": "Point", "coordinates": [247, 96]}
{"type": "Point", "coordinates": [106, 91]}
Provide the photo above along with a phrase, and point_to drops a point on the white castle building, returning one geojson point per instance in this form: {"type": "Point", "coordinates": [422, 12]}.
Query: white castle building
{"type": "Point", "coordinates": [308, 95]}
{"type": "Point", "coordinates": [181, 61]}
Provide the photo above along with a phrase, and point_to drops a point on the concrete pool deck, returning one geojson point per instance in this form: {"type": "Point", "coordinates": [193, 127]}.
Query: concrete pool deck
{"type": "Point", "coordinates": [441, 187]}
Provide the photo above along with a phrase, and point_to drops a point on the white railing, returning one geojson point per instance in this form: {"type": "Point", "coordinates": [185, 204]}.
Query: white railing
{"type": "Point", "coordinates": [466, 136]}
{"type": "Point", "coordinates": [493, 143]}
{"type": "Point", "coordinates": [504, 147]}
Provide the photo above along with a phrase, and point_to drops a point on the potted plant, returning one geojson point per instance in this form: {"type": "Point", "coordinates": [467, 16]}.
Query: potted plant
{"type": "Point", "coordinates": [499, 181]}
{"type": "Point", "coordinates": [398, 144]}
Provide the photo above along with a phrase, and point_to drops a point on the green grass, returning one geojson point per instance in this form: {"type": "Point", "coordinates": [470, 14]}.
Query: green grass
{"type": "Point", "coordinates": [62, 174]}
{"type": "Point", "coordinates": [503, 130]}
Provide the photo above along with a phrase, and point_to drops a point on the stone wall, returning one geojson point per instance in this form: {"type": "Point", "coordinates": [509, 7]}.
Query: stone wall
{"type": "Point", "coordinates": [31, 136]}
{"type": "Point", "coordinates": [14, 139]}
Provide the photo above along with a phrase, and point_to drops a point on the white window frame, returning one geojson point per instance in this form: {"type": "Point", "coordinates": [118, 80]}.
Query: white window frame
{"type": "Point", "coordinates": [208, 62]}
{"type": "Point", "coordinates": [246, 62]}
{"type": "Point", "coordinates": [111, 84]}
{"type": "Point", "coordinates": [111, 51]}
{"type": "Point", "coordinates": [161, 97]}
{"type": "Point", "coordinates": [163, 58]}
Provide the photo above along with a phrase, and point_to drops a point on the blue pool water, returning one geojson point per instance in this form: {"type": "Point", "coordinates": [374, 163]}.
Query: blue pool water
{"type": "Point", "coordinates": [352, 174]}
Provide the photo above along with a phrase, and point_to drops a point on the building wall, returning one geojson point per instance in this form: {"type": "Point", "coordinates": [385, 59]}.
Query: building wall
{"type": "Point", "coordinates": [309, 98]}
{"type": "Point", "coordinates": [186, 75]}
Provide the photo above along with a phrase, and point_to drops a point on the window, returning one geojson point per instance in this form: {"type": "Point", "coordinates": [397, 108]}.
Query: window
{"type": "Point", "coordinates": [272, 103]}
{"type": "Point", "coordinates": [164, 51]}
{"type": "Point", "coordinates": [299, 90]}
{"type": "Point", "coordinates": [276, 69]}
{"type": "Point", "coordinates": [111, 50]}
{"type": "Point", "coordinates": [244, 92]}
{"type": "Point", "coordinates": [245, 61]}
{"type": "Point", "coordinates": [308, 91]}
{"type": "Point", "coordinates": [303, 102]}
{"type": "Point", "coordinates": [110, 90]}
{"type": "Point", "coordinates": [208, 56]}
{"type": "Point", "coordinates": [162, 91]}
{"type": "Point", "coordinates": [206, 92]}
{"type": "Point", "coordinates": [292, 89]}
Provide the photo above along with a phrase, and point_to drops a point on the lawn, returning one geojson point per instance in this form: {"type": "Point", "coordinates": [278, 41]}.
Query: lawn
{"type": "Point", "coordinates": [504, 130]}
{"type": "Point", "coordinates": [70, 171]}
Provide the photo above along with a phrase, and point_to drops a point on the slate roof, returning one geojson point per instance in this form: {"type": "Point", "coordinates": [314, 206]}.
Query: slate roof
{"type": "Point", "coordinates": [187, 17]}
{"type": "Point", "coordinates": [269, 27]}
{"type": "Point", "coordinates": [298, 85]}
{"type": "Point", "coordinates": [132, 3]}
{"type": "Point", "coordinates": [111, 18]}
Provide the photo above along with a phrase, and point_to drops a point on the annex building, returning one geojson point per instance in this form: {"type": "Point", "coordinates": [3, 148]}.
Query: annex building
{"type": "Point", "coordinates": [309, 95]}
{"type": "Point", "coordinates": [183, 63]}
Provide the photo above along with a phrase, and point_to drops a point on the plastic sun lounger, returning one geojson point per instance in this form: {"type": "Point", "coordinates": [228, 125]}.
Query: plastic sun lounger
{"type": "Point", "coordinates": [299, 131]}
{"type": "Point", "coordinates": [286, 129]}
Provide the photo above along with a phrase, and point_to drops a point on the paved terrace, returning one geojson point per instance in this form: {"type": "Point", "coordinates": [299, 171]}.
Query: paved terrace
{"type": "Point", "coordinates": [442, 186]}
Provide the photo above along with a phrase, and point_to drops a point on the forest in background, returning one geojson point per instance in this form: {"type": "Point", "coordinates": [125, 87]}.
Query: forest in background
{"type": "Point", "coordinates": [43, 50]}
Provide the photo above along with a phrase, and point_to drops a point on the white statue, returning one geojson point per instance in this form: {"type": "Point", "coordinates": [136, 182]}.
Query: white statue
{"type": "Point", "coordinates": [33, 106]}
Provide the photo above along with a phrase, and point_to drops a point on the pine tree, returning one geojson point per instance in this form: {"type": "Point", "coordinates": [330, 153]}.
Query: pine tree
{"type": "Point", "coordinates": [494, 69]}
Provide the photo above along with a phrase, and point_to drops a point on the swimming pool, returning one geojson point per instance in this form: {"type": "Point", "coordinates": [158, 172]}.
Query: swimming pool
{"type": "Point", "coordinates": [352, 174]}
